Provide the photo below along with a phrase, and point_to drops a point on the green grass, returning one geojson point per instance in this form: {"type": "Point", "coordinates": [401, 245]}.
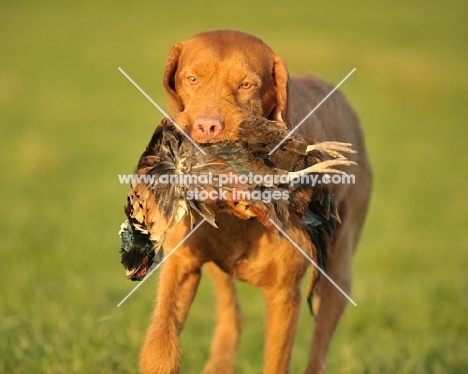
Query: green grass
{"type": "Point", "coordinates": [70, 122]}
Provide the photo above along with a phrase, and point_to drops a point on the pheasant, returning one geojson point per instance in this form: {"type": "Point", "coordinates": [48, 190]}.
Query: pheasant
{"type": "Point", "coordinates": [154, 206]}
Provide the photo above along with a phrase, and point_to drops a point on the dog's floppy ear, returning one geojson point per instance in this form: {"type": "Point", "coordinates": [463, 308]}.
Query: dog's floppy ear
{"type": "Point", "coordinates": [173, 99]}
{"type": "Point", "coordinates": [281, 112]}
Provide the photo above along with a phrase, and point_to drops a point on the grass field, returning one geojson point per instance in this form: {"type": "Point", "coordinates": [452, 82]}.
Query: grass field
{"type": "Point", "coordinates": [70, 122]}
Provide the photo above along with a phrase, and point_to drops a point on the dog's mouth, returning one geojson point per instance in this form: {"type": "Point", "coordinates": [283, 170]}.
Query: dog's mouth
{"type": "Point", "coordinates": [137, 274]}
{"type": "Point", "coordinates": [207, 140]}
{"type": "Point", "coordinates": [232, 136]}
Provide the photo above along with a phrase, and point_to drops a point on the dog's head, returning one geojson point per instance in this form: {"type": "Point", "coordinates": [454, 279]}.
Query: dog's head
{"type": "Point", "coordinates": [219, 78]}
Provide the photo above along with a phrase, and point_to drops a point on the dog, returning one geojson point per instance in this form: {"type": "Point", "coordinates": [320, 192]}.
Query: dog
{"type": "Point", "coordinates": [213, 82]}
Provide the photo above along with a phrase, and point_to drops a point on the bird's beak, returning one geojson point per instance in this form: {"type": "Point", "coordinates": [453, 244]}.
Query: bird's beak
{"type": "Point", "coordinates": [129, 273]}
{"type": "Point", "coordinates": [137, 274]}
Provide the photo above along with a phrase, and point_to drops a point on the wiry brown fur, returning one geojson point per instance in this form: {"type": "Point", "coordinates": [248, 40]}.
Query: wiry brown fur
{"type": "Point", "coordinates": [211, 110]}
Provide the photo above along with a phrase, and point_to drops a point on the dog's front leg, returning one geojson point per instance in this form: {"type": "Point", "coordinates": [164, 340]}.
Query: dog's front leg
{"type": "Point", "coordinates": [179, 280]}
{"type": "Point", "coordinates": [282, 312]}
{"type": "Point", "coordinates": [229, 320]}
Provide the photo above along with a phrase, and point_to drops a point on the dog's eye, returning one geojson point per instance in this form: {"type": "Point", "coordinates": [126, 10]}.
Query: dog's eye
{"type": "Point", "coordinates": [245, 85]}
{"type": "Point", "coordinates": [192, 80]}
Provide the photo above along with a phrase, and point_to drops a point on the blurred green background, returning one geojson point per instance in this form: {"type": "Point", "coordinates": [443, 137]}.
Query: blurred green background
{"type": "Point", "coordinates": [70, 122]}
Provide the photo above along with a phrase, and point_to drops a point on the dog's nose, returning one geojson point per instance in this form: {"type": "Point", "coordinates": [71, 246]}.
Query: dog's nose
{"type": "Point", "coordinates": [208, 126]}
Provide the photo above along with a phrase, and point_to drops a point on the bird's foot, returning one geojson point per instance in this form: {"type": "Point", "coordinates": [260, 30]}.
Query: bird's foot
{"type": "Point", "coordinates": [332, 148]}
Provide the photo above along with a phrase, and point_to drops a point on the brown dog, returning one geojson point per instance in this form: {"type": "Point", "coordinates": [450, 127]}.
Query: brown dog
{"type": "Point", "coordinates": [213, 82]}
